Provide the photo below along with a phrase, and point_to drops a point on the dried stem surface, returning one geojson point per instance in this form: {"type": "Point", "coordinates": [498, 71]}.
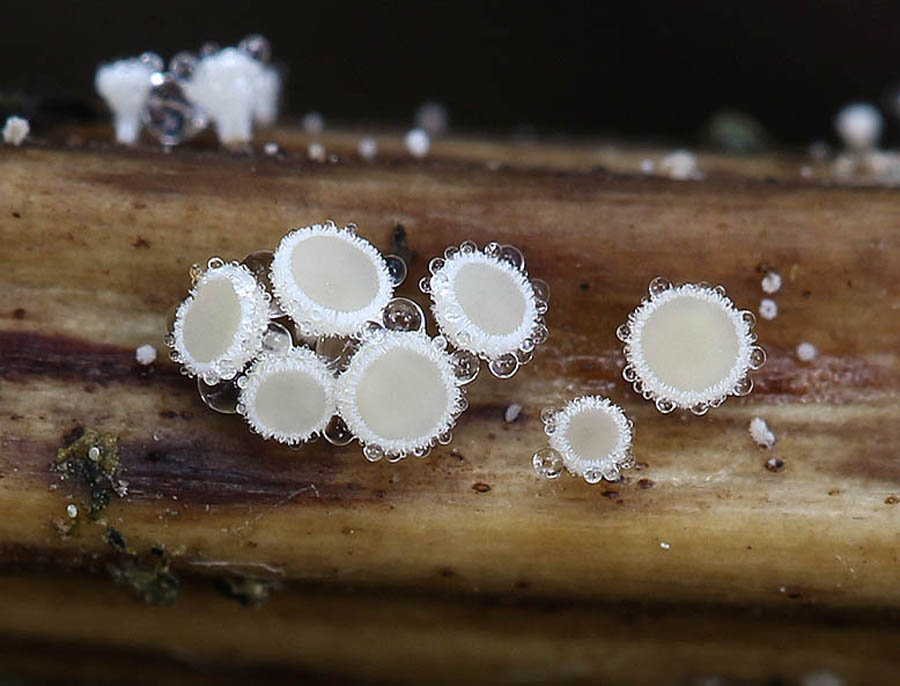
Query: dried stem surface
{"type": "Point", "coordinates": [96, 249]}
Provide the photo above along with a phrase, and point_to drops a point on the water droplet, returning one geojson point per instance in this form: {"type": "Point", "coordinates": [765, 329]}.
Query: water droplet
{"type": "Point", "coordinates": [182, 65]}
{"type": "Point", "coordinates": [505, 366]}
{"type": "Point", "coordinates": [450, 251]}
{"type": "Point", "coordinates": [465, 366]}
{"type": "Point", "coordinates": [337, 432]}
{"type": "Point", "coordinates": [541, 289]}
{"type": "Point", "coordinates": [610, 473]}
{"type": "Point", "coordinates": [425, 284]}
{"type": "Point", "coordinates": [623, 333]}
{"type": "Point", "coordinates": [169, 116]}
{"type": "Point", "coordinates": [152, 61]}
{"type": "Point", "coordinates": [257, 46]}
{"type": "Point", "coordinates": [593, 476]}
{"type": "Point", "coordinates": [547, 463]}
{"type": "Point", "coordinates": [396, 268]}
{"type": "Point", "coordinates": [336, 351]}
{"type": "Point", "coordinates": [422, 451]}
{"type": "Point", "coordinates": [435, 264]}
{"type": "Point", "coordinates": [445, 438]}
{"type": "Point", "coordinates": [548, 415]}
{"type": "Point", "coordinates": [493, 249]}
{"type": "Point", "coordinates": [277, 338]}
{"type": "Point", "coordinates": [221, 397]}
{"type": "Point", "coordinates": [392, 458]}
{"type": "Point", "coordinates": [757, 357]}
{"type": "Point", "coordinates": [72, 511]}
{"type": "Point", "coordinates": [215, 263]}
{"type": "Point", "coordinates": [700, 409]}
{"type": "Point", "coordinates": [468, 247]}
{"type": "Point", "coordinates": [743, 387]}
{"type": "Point", "coordinates": [540, 333]}
{"type": "Point", "coordinates": [748, 317]}
{"type": "Point", "coordinates": [665, 406]}
{"type": "Point", "coordinates": [659, 285]}
{"type": "Point", "coordinates": [94, 453]}
{"type": "Point", "coordinates": [402, 314]}
{"type": "Point", "coordinates": [511, 254]}
{"type": "Point", "coordinates": [372, 453]}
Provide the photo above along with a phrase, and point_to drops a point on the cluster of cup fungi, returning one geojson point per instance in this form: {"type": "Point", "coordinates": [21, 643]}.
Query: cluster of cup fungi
{"type": "Point", "coordinates": [310, 340]}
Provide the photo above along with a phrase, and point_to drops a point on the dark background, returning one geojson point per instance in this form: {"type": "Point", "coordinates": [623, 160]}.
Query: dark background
{"type": "Point", "coordinates": [643, 70]}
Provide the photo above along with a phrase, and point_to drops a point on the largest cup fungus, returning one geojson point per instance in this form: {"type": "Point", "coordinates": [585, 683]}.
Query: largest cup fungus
{"type": "Point", "coordinates": [689, 347]}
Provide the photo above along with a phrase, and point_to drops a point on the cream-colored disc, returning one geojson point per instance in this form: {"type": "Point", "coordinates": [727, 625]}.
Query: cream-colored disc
{"type": "Point", "coordinates": [288, 395]}
{"type": "Point", "coordinates": [689, 347]}
{"type": "Point", "coordinates": [484, 304]}
{"type": "Point", "coordinates": [329, 280]}
{"type": "Point", "coordinates": [220, 326]}
{"type": "Point", "coordinates": [399, 392]}
{"type": "Point", "coordinates": [592, 435]}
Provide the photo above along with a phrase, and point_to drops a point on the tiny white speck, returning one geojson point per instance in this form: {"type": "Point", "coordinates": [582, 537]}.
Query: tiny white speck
{"type": "Point", "coordinates": [94, 453]}
{"type": "Point", "coordinates": [859, 125]}
{"type": "Point", "coordinates": [271, 148]}
{"type": "Point", "coordinates": [771, 282]}
{"type": "Point", "coordinates": [664, 545]}
{"type": "Point", "coordinates": [15, 130]}
{"type": "Point", "coordinates": [681, 165]}
{"type": "Point", "coordinates": [313, 123]}
{"type": "Point", "coordinates": [367, 148]}
{"type": "Point", "coordinates": [145, 354]}
{"type": "Point", "coordinates": [316, 152]}
{"type": "Point", "coordinates": [512, 413]}
{"type": "Point", "coordinates": [417, 142]}
{"type": "Point", "coordinates": [768, 308]}
{"type": "Point", "coordinates": [761, 433]}
{"type": "Point", "coordinates": [806, 172]}
{"type": "Point", "coordinates": [806, 352]}
{"type": "Point", "coordinates": [72, 511]}
{"type": "Point", "coordinates": [647, 166]}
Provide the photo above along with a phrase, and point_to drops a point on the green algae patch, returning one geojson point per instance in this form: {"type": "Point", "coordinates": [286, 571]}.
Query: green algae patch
{"type": "Point", "coordinates": [150, 576]}
{"type": "Point", "coordinates": [92, 459]}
